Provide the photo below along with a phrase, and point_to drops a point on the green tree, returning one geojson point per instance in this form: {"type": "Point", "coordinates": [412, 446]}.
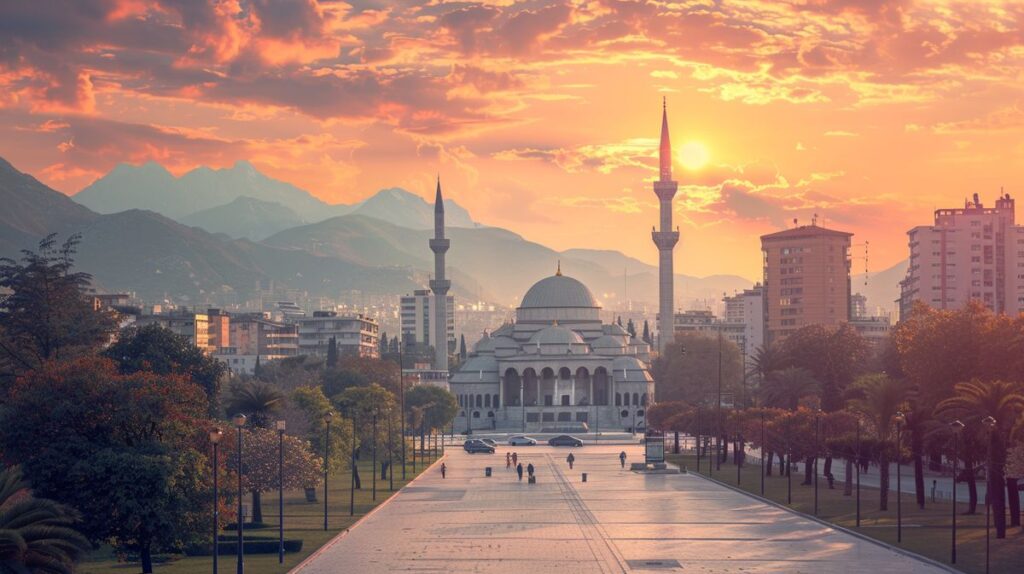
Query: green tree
{"type": "Point", "coordinates": [1004, 402]}
{"type": "Point", "coordinates": [363, 405]}
{"type": "Point", "coordinates": [37, 535]}
{"type": "Point", "coordinates": [878, 397]}
{"type": "Point", "coordinates": [767, 360]}
{"type": "Point", "coordinates": [313, 404]}
{"type": "Point", "coordinates": [786, 388]}
{"type": "Point", "coordinates": [124, 450]}
{"type": "Point", "coordinates": [647, 333]}
{"type": "Point", "coordinates": [631, 328]}
{"type": "Point", "coordinates": [155, 349]}
{"type": "Point", "coordinates": [257, 400]}
{"type": "Point", "coordinates": [439, 406]}
{"type": "Point", "coordinates": [45, 312]}
{"type": "Point", "coordinates": [302, 468]}
{"type": "Point", "coordinates": [692, 376]}
{"type": "Point", "coordinates": [834, 355]}
{"type": "Point", "coordinates": [332, 353]}
{"type": "Point", "coordinates": [462, 347]}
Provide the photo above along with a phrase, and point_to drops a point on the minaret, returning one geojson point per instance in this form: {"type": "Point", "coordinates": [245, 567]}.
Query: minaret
{"type": "Point", "coordinates": [439, 285]}
{"type": "Point", "coordinates": [665, 238]}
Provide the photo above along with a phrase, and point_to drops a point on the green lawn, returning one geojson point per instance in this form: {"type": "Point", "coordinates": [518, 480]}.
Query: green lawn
{"type": "Point", "coordinates": [303, 520]}
{"type": "Point", "coordinates": [925, 532]}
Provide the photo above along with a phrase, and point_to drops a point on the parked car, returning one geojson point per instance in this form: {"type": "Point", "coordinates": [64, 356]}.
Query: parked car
{"type": "Point", "coordinates": [522, 441]}
{"type": "Point", "coordinates": [565, 440]}
{"type": "Point", "coordinates": [489, 442]}
{"type": "Point", "coordinates": [475, 445]}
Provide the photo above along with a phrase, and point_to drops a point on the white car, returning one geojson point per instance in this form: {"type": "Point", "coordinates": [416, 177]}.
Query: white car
{"type": "Point", "coordinates": [522, 441]}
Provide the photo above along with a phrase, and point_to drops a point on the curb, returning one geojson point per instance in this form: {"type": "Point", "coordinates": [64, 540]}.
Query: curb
{"type": "Point", "coordinates": [345, 532]}
{"type": "Point", "coordinates": [833, 526]}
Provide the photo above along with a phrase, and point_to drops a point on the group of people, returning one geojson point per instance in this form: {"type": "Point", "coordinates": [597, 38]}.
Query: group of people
{"type": "Point", "coordinates": [512, 459]}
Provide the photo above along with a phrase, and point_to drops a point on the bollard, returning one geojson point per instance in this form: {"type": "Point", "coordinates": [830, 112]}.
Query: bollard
{"type": "Point", "coordinates": [487, 471]}
{"type": "Point", "coordinates": [584, 477]}
{"type": "Point", "coordinates": [533, 480]}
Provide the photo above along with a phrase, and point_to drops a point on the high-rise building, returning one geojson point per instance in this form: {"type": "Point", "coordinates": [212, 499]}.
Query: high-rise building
{"type": "Point", "coordinates": [665, 238]}
{"type": "Point", "coordinates": [806, 279]}
{"type": "Point", "coordinates": [439, 285]}
{"type": "Point", "coordinates": [744, 320]}
{"type": "Point", "coordinates": [417, 318]}
{"type": "Point", "coordinates": [354, 334]}
{"type": "Point", "coordinates": [976, 252]}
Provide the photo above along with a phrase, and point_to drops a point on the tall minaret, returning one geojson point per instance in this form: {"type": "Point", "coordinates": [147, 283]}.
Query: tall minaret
{"type": "Point", "coordinates": [665, 238]}
{"type": "Point", "coordinates": [439, 285]}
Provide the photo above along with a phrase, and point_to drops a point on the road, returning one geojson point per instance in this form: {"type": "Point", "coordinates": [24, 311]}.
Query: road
{"type": "Point", "coordinates": [617, 521]}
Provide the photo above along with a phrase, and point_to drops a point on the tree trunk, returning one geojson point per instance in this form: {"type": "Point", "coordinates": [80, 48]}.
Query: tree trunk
{"type": "Point", "coordinates": [355, 476]}
{"type": "Point", "coordinates": [917, 451]}
{"type": "Point", "coordinates": [783, 465]}
{"type": "Point", "coordinates": [768, 463]}
{"type": "Point", "coordinates": [972, 486]}
{"type": "Point", "coordinates": [257, 507]}
{"type": "Point", "coordinates": [827, 470]}
{"type": "Point", "coordinates": [146, 555]}
{"type": "Point", "coordinates": [808, 467]}
{"type": "Point", "coordinates": [384, 470]}
{"type": "Point", "coordinates": [883, 481]}
{"type": "Point", "coordinates": [1013, 498]}
{"type": "Point", "coordinates": [848, 487]}
{"type": "Point", "coordinates": [996, 485]}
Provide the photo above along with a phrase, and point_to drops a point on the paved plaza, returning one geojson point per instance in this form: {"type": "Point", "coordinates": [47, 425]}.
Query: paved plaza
{"type": "Point", "coordinates": [617, 521]}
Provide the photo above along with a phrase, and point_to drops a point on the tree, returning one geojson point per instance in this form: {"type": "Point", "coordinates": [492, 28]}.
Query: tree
{"type": "Point", "coordinates": [462, 347]}
{"type": "Point", "coordinates": [313, 404]}
{"type": "Point", "coordinates": [878, 398]}
{"type": "Point", "coordinates": [36, 535]}
{"type": "Point", "coordinates": [767, 360]}
{"type": "Point", "coordinates": [647, 333]}
{"type": "Point", "coordinates": [45, 313]}
{"type": "Point", "coordinates": [127, 452]}
{"type": "Point", "coordinates": [383, 343]}
{"type": "Point", "coordinates": [364, 405]}
{"type": "Point", "coordinates": [257, 400]}
{"type": "Point", "coordinates": [786, 388]}
{"type": "Point", "coordinates": [302, 468]}
{"type": "Point", "coordinates": [834, 355]}
{"type": "Point", "coordinates": [1004, 402]}
{"type": "Point", "coordinates": [631, 328]}
{"type": "Point", "coordinates": [693, 376]}
{"type": "Point", "coordinates": [332, 353]}
{"type": "Point", "coordinates": [439, 406]}
{"type": "Point", "coordinates": [155, 349]}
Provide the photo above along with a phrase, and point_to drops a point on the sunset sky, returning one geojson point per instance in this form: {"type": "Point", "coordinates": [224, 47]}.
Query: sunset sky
{"type": "Point", "coordinates": [542, 117]}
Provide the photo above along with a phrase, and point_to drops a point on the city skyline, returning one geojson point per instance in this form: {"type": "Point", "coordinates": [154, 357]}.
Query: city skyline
{"type": "Point", "coordinates": [541, 116]}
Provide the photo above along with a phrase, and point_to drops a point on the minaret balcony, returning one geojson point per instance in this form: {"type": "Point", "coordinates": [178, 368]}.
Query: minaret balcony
{"type": "Point", "coordinates": [665, 190]}
{"type": "Point", "coordinates": [665, 239]}
{"type": "Point", "coordinates": [440, 245]}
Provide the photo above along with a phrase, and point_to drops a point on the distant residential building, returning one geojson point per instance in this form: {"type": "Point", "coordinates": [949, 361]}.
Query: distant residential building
{"type": "Point", "coordinates": [417, 316]}
{"type": "Point", "coordinates": [355, 334]}
{"type": "Point", "coordinates": [208, 331]}
{"type": "Point", "coordinates": [289, 310]}
{"type": "Point", "coordinates": [858, 306]}
{"type": "Point", "coordinates": [976, 252]}
{"type": "Point", "coordinates": [695, 321]}
{"type": "Point", "coordinates": [874, 329]}
{"type": "Point", "coordinates": [255, 334]}
{"type": "Point", "coordinates": [806, 279]}
{"type": "Point", "coordinates": [425, 374]}
{"type": "Point", "coordinates": [744, 320]}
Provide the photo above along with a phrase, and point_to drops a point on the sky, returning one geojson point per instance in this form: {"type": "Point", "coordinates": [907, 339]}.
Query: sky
{"type": "Point", "coordinates": [543, 117]}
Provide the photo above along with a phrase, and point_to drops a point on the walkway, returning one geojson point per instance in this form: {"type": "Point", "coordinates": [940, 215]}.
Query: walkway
{"type": "Point", "coordinates": [618, 521]}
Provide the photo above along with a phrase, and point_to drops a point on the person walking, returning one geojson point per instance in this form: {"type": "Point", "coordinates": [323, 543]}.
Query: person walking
{"type": "Point", "coordinates": [515, 458]}
{"type": "Point", "coordinates": [519, 471]}
{"type": "Point", "coordinates": [529, 469]}
{"type": "Point", "coordinates": [508, 460]}
{"type": "Point", "coordinates": [622, 459]}
{"type": "Point", "coordinates": [570, 459]}
{"type": "Point", "coordinates": [444, 470]}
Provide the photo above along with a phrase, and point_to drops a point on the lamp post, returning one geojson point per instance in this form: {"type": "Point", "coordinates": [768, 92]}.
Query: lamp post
{"type": "Point", "coordinates": [327, 456]}
{"type": "Point", "coordinates": [990, 425]}
{"type": "Point", "coordinates": [215, 437]}
{"type": "Point", "coordinates": [718, 407]}
{"type": "Point", "coordinates": [373, 465]}
{"type": "Point", "coordinates": [352, 470]}
{"type": "Point", "coordinates": [762, 453]}
{"type": "Point", "coordinates": [957, 427]}
{"type": "Point", "coordinates": [698, 439]}
{"type": "Point", "coordinates": [900, 419]}
{"type": "Point", "coordinates": [280, 491]}
{"type": "Point", "coordinates": [739, 457]}
{"type": "Point", "coordinates": [391, 459]}
{"type": "Point", "coordinates": [856, 463]}
{"type": "Point", "coordinates": [401, 394]}
{"type": "Point", "coordinates": [239, 422]}
{"type": "Point", "coordinates": [789, 475]}
{"type": "Point", "coordinates": [817, 452]}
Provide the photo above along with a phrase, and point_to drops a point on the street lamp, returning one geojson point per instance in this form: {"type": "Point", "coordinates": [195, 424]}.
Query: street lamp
{"type": "Point", "coordinates": [901, 419]}
{"type": "Point", "coordinates": [215, 437]}
{"type": "Point", "coordinates": [280, 491]}
{"type": "Point", "coordinates": [239, 422]}
{"type": "Point", "coordinates": [327, 456]}
{"type": "Point", "coordinates": [990, 424]}
{"type": "Point", "coordinates": [352, 470]}
{"type": "Point", "coordinates": [817, 452]}
{"type": "Point", "coordinates": [856, 462]}
{"type": "Point", "coordinates": [762, 453]}
{"type": "Point", "coordinates": [374, 463]}
{"type": "Point", "coordinates": [718, 407]}
{"type": "Point", "coordinates": [698, 437]}
{"type": "Point", "coordinates": [401, 392]}
{"type": "Point", "coordinates": [391, 456]}
{"type": "Point", "coordinates": [957, 427]}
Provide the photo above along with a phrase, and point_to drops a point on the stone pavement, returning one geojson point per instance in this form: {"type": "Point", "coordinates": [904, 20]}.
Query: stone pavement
{"type": "Point", "coordinates": [618, 521]}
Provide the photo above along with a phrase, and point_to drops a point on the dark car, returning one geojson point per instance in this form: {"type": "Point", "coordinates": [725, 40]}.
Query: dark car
{"type": "Point", "coordinates": [476, 445]}
{"type": "Point", "coordinates": [565, 440]}
{"type": "Point", "coordinates": [489, 442]}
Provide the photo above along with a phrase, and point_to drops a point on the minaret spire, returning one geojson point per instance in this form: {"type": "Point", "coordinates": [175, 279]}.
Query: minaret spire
{"type": "Point", "coordinates": [665, 238]}
{"type": "Point", "coordinates": [439, 285]}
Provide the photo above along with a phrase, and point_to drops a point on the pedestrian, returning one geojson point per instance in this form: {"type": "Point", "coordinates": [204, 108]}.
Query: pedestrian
{"type": "Point", "coordinates": [515, 458]}
{"type": "Point", "coordinates": [508, 460]}
{"type": "Point", "coordinates": [444, 470]}
{"type": "Point", "coordinates": [935, 484]}
{"type": "Point", "coordinates": [519, 471]}
{"type": "Point", "coordinates": [570, 459]}
{"type": "Point", "coordinates": [622, 459]}
{"type": "Point", "coordinates": [529, 469]}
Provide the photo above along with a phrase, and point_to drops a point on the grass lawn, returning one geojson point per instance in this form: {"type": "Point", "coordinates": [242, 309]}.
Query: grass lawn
{"type": "Point", "coordinates": [303, 520]}
{"type": "Point", "coordinates": [925, 532]}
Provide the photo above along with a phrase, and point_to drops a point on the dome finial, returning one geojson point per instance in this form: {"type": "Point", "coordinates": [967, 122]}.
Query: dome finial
{"type": "Point", "coordinates": [559, 271]}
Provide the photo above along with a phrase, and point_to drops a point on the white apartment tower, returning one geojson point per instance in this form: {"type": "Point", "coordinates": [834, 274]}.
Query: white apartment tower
{"type": "Point", "coordinates": [976, 252]}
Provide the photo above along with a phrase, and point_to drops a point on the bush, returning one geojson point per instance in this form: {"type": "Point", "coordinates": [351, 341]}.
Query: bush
{"type": "Point", "coordinates": [228, 545]}
{"type": "Point", "coordinates": [250, 526]}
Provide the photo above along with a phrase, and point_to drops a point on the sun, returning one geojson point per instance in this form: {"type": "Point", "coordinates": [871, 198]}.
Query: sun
{"type": "Point", "coordinates": [694, 155]}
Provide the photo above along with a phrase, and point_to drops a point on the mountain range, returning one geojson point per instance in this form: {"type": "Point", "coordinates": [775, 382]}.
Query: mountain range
{"type": "Point", "coordinates": [255, 235]}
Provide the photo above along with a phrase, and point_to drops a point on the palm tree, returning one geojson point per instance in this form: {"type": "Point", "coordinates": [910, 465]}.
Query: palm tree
{"type": "Point", "coordinates": [767, 360]}
{"type": "Point", "coordinates": [785, 388]}
{"type": "Point", "coordinates": [255, 399]}
{"type": "Point", "coordinates": [35, 533]}
{"type": "Point", "coordinates": [1002, 401]}
{"type": "Point", "coordinates": [878, 397]}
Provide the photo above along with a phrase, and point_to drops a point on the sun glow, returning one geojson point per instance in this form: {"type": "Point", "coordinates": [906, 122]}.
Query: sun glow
{"type": "Point", "coordinates": [694, 155]}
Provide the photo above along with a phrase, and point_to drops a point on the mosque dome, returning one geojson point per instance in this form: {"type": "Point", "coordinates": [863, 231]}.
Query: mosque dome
{"type": "Point", "coordinates": [558, 291]}
{"type": "Point", "coordinates": [556, 335]}
{"type": "Point", "coordinates": [484, 345]}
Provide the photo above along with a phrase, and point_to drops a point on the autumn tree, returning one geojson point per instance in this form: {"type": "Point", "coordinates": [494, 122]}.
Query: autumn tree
{"type": "Point", "coordinates": [878, 397]}
{"type": "Point", "coordinates": [834, 355]}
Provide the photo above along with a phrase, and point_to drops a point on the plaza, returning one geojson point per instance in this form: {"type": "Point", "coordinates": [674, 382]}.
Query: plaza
{"type": "Point", "coordinates": [616, 521]}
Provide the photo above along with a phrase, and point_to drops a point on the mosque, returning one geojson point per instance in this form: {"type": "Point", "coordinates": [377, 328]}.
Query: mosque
{"type": "Point", "coordinates": [555, 367]}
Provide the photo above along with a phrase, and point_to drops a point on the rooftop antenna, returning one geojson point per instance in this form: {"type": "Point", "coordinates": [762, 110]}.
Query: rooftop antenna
{"type": "Point", "coordinates": [814, 219]}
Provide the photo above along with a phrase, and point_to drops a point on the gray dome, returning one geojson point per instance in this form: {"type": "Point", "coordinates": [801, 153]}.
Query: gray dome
{"type": "Point", "coordinates": [556, 335]}
{"type": "Point", "coordinates": [608, 342]}
{"type": "Point", "coordinates": [484, 345]}
{"type": "Point", "coordinates": [558, 291]}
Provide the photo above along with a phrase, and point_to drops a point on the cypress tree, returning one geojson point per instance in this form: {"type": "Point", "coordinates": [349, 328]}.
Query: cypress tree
{"type": "Point", "coordinates": [631, 328]}
{"type": "Point", "coordinates": [462, 346]}
{"type": "Point", "coordinates": [332, 353]}
{"type": "Point", "coordinates": [647, 333]}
